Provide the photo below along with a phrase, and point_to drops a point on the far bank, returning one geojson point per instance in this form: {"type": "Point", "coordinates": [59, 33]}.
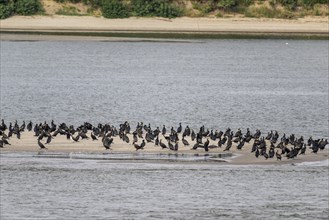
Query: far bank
{"type": "Point", "coordinates": [180, 28]}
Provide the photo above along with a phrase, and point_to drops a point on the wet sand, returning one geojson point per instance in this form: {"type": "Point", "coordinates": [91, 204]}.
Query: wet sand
{"type": "Point", "coordinates": [59, 144]}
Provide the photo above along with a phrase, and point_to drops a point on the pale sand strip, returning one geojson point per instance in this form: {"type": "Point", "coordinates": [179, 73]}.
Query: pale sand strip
{"type": "Point", "coordinates": [28, 143]}
{"type": "Point", "coordinates": [87, 23]}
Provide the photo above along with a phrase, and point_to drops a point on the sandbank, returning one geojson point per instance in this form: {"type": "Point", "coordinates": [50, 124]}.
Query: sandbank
{"type": "Point", "coordinates": [60, 144]}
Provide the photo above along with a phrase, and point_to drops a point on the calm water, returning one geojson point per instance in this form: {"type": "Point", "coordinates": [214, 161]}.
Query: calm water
{"type": "Point", "coordinates": [266, 84]}
{"type": "Point", "coordinates": [38, 188]}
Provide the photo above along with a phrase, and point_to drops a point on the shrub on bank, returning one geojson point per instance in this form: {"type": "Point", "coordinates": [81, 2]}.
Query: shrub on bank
{"type": "Point", "coordinates": [313, 2]}
{"type": "Point", "coordinates": [92, 3]}
{"type": "Point", "coordinates": [227, 4]}
{"type": "Point", "coordinates": [204, 6]}
{"type": "Point", "coordinates": [114, 9]}
{"type": "Point", "coordinates": [140, 8]}
{"type": "Point", "coordinates": [19, 7]}
{"type": "Point", "coordinates": [6, 9]}
{"type": "Point", "coordinates": [290, 4]}
{"type": "Point", "coordinates": [27, 7]}
{"type": "Point", "coordinates": [160, 8]}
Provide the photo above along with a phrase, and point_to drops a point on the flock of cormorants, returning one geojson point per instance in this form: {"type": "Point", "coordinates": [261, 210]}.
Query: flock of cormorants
{"type": "Point", "coordinates": [267, 147]}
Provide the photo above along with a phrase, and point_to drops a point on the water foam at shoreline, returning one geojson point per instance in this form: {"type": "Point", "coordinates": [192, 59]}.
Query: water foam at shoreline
{"type": "Point", "coordinates": [209, 157]}
{"type": "Point", "coordinates": [315, 163]}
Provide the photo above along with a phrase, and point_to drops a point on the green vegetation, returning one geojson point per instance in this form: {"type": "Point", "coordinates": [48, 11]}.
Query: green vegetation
{"type": "Point", "coordinates": [313, 2]}
{"type": "Point", "coordinates": [27, 7]}
{"type": "Point", "coordinates": [159, 8]}
{"type": "Point", "coordinates": [286, 9]}
{"type": "Point", "coordinates": [114, 9]}
{"type": "Point", "coordinates": [19, 7]}
{"type": "Point", "coordinates": [6, 9]}
{"type": "Point", "coordinates": [227, 4]}
{"type": "Point", "coordinates": [127, 8]}
{"type": "Point", "coordinates": [204, 7]}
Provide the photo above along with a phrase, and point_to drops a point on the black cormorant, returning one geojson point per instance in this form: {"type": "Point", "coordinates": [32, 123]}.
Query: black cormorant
{"type": "Point", "coordinates": [41, 145]}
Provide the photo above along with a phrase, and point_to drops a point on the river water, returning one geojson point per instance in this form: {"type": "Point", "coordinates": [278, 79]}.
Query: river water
{"type": "Point", "coordinates": [39, 188]}
{"type": "Point", "coordinates": [267, 84]}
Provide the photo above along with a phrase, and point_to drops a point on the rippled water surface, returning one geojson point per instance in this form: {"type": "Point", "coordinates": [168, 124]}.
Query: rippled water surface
{"type": "Point", "coordinates": [38, 188]}
{"type": "Point", "coordinates": [266, 84]}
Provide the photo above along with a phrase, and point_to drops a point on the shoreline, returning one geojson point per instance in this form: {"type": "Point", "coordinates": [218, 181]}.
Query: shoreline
{"type": "Point", "coordinates": [155, 28]}
{"type": "Point", "coordinates": [132, 157]}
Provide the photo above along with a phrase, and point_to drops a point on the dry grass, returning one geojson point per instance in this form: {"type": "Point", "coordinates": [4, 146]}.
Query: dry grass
{"type": "Point", "coordinates": [258, 9]}
{"type": "Point", "coordinates": [52, 7]}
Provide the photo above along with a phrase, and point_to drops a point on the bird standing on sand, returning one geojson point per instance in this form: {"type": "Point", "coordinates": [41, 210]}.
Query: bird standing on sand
{"type": "Point", "coordinates": [257, 153]}
{"type": "Point", "coordinates": [107, 143]}
{"type": "Point", "coordinates": [206, 144]}
{"type": "Point", "coordinates": [156, 141]}
{"type": "Point", "coordinates": [170, 145]}
{"type": "Point", "coordinates": [185, 142]}
{"type": "Point", "coordinates": [229, 145]}
{"type": "Point", "coordinates": [41, 145]}
{"type": "Point", "coordinates": [93, 136]}
{"type": "Point", "coordinates": [240, 145]}
{"type": "Point", "coordinates": [164, 130]}
{"type": "Point", "coordinates": [179, 129]}
{"type": "Point", "coordinates": [302, 151]}
{"type": "Point", "coordinates": [76, 139]}
{"type": "Point", "coordinates": [29, 126]}
{"type": "Point", "coordinates": [278, 156]}
{"type": "Point", "coordinates": [162, 145]}
{"type": "Point", "coordinates": [83, 135]}
{"type": "Point", "coordinates": [271, 153]}
{"type": "Point", "coordinates": [143, 144]}
{"type": "Point", "coordinates": [265, 155]}
{"type": "Point", "coordinates": [148, 138]}
{"type": "Point", "coordinates": [5, 141]}
{"type": "Point", "coordinates": [140, 147]}
{"type": "Point", "coordinates": [176, 146]}
{"type": "Point", "coordinates": [48, 139]}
